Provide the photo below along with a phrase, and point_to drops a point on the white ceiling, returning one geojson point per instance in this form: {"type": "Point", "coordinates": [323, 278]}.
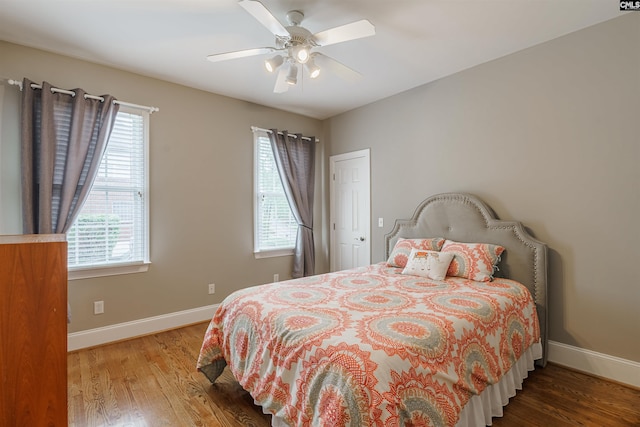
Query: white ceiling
{"type": "Point", "coordinates": [416, 41]}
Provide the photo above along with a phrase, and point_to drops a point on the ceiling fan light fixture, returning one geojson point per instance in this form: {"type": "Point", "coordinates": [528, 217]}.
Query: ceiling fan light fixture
{"type": "Point", "coordinates": [314, 70]}
{"type": "Point", "coordinates": [297, 46]}
{"type": "Point", "coordinates": [273, 63]}
{"type": "Point", "coordinates": [292, 75]}
{"type": "Point", "coordinates": [301, 53]}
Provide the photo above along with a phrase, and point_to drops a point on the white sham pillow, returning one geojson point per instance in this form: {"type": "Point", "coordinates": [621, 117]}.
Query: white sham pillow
{"type": "Point", "coordinates": [431, 264]}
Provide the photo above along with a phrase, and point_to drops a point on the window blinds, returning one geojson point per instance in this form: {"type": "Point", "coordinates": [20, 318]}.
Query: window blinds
{"type": "Point", "coordinates": [276, 228]}
{"type": "Point", "coordinates": [111, 227]}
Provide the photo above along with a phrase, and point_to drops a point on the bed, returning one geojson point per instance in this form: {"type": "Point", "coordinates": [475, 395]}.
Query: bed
{"type": "Point", "coordinates": [383, 345]}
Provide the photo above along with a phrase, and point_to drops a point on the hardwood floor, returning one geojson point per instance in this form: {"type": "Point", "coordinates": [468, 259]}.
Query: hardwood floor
{"type": "Point", "coordinates": [151, 381]}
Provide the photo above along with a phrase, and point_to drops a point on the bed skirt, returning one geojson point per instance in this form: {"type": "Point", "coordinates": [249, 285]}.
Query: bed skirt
{"type": "Point", "coordinates": [483, 407]}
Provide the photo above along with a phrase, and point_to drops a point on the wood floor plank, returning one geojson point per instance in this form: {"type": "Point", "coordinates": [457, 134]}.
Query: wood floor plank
{"type": "Point", "coordinates": [151, 381]}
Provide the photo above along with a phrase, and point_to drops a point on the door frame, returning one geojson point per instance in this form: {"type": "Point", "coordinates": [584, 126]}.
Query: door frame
{"type": "Point", "coordinates": [366, 153]}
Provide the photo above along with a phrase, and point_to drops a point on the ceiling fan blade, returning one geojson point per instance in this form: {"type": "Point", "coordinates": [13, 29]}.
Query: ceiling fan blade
{"type": "Point", "coordinates": [262, 14]}
{"type": "Point", "coordinates": [336, 67]}
{"type": "Point", "coordinates": [281, 85]}
{"type": "Point", "coordinates": [343, 33]}
{"type": "Point", "coordinates": [217, 57]}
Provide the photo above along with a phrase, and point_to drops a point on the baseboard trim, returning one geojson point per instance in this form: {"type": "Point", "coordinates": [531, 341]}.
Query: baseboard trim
{"type": "Point", "coordinates": [602, 365]}
{"type": "Point", "coordinates": [149, 325]}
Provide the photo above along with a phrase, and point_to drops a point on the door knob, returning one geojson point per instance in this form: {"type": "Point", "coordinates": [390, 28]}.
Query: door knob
{"type": "Point", "coordinates": [361, 238]}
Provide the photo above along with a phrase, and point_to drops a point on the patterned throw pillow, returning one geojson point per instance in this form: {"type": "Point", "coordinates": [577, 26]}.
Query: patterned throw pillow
{"type": "Point", "coordinates": [431, 264]}
{"type": "Point", "coordinates": [475, 261]}
{"type": "Point", "coordinates": [400, 253]}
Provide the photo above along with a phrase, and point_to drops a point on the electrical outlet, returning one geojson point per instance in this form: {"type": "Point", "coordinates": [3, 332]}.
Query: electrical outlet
{"type": "Point", "coordinates": [212, 288]}
{"type": "Point", "coordinates": [276, 277]}
{"type": "Point", "coordinates": [98, 307]}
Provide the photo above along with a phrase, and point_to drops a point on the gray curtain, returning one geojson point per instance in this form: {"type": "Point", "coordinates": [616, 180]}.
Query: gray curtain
{"type": "Point", "coordinates": [295, 159]}
{"type": "Point", "coordinates": [63, 140]}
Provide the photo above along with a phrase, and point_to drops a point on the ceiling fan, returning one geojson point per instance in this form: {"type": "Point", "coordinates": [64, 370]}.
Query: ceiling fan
{"type": "Point", "coordinates": [295, 46]}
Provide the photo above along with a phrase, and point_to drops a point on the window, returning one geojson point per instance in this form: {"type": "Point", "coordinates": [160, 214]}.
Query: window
{"type": "Point", "coordinates": [275, 228]}
{"type": "Point", "coordinates": [110, 234]}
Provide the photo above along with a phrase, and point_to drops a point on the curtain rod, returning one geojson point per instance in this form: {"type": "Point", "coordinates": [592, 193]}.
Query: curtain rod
{"type": "Point", "coordinates": [99, 98]}
{"type": "Point", "coordinates": [255, 128]}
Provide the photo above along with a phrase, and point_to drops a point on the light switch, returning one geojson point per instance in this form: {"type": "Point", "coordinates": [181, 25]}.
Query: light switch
{"type": "Point", "coordinates": [380, 222]}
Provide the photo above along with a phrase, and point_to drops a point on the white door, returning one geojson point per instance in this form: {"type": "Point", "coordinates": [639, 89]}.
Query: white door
{"type": "Point", "coordinates": [350, 216]}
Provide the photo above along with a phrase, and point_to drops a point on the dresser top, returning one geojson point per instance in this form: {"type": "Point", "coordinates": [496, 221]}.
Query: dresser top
{"type": "Point", "coordinates": [32, 238]}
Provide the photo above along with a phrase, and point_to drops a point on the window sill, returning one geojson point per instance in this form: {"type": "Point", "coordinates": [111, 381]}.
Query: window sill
{"type": "Point", "coordinates": [274, 253]}
{"type": "Point", "coordinates": [112, 270]}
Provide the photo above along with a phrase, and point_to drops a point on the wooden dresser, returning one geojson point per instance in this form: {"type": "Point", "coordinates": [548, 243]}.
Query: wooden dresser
{"type": "Point", "coordinates": [33, 330]}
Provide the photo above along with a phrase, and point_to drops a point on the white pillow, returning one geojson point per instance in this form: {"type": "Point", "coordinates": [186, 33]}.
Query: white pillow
{"type": "Point", "coordinates": [431, 264]}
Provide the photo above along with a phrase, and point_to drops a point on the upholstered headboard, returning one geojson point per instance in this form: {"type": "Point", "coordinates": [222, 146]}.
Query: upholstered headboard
{"type": "Point", "coordinates": [465, 218]}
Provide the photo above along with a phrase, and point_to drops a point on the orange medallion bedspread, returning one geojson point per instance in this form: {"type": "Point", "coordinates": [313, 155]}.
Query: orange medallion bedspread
{"type": "Point", "coordinates": [369, 346]}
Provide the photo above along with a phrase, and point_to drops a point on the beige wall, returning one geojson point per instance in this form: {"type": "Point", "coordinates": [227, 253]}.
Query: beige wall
{"type": "Point", "coordinates": [547, 136]}
{"type": "Point", "coordinates": [201, 155]}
